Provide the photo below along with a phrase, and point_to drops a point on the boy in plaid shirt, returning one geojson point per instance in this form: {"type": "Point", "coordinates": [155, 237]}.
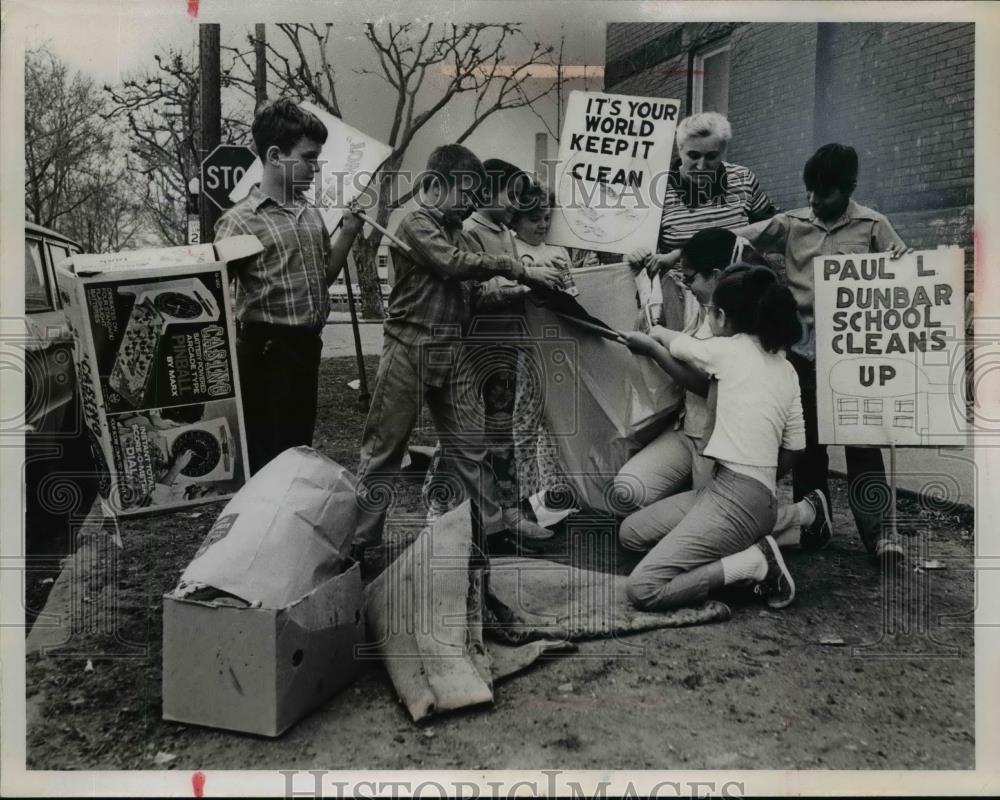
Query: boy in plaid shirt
{"type": "Point", "coordinates": [281, 293]}
{"type": "Point", "coordinates": [422, 356]}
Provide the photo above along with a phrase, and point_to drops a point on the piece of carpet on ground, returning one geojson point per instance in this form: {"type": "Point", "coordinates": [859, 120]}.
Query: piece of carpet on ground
{"type": "Point", "coordinates": [425, 616]}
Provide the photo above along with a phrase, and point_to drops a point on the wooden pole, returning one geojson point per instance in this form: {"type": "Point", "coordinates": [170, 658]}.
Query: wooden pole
{"type": "Point", "coordinates": [260, 69]}
{"type": "Point", "coordinates": [210, 99]}
{"type": "Point", "coordinates": [364, 396]}
{"type": "Point", "coordinates": [892, 491]}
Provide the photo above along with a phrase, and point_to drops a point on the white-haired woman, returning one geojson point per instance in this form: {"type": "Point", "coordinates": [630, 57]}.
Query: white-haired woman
{"type": "Point", "coordinates": [703, 191]}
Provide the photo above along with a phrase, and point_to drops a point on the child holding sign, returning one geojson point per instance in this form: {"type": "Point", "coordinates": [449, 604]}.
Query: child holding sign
{"type": "Point", "coordinates": [832, 224]}
{"type": "Point", "coordinates": [699, 541]}
{"type": "Point", "coordinates": [281, 294]}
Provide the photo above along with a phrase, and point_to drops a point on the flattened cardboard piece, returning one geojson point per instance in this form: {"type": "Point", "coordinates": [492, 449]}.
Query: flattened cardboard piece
{"type": "Point", "coordinates": [619, 403]}
{"type": "Point", "coordinates": [425, 620]}
{"type": "Point", "coordinates": [157, 376]}
{"type": "Point", "coordinates": [286, 532]}
{"type": "Point", "coordinates": [147, 258]}
{"type": "Point", "coordinates": [234, 248]}
{"type": "Point", "coordinates": [602, 402]}
{"type": "Point", "coordinates": [260, 670]}
{"type": "Point", "coordinates": [425, 616]}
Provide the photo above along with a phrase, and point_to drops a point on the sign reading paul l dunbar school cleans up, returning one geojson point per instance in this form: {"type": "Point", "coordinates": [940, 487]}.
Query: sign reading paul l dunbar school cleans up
{"type": "Point", "coordinates": [614, 153]}
{"type": "Point", "coordinates": [890, 350]}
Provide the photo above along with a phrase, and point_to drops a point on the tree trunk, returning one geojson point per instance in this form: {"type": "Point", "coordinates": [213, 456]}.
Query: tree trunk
{"type": "Point", "coordinates": [366, 247]}
{"type": "Point", "coordinates": [365, 253]}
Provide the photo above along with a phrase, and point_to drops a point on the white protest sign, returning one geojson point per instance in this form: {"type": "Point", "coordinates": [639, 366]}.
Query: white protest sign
{"type": "Point", "coordinates": [612, 171]}
{"type": "Point", "coordinates": [890, 348]}
{"type": "Point", "coordinates": [348, 161]}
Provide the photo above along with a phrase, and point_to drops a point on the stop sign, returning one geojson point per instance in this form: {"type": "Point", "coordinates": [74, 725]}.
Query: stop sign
{"type": "Point", "coordinates": [221, 171]}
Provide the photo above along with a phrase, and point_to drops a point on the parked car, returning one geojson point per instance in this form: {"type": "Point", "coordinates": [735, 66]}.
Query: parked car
{"type": "Point", "coordinates": [60, 480]}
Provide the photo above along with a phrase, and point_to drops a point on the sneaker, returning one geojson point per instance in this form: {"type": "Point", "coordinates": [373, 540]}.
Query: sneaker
{"type": "Point", "coordinates": [777, 588]}
{"type": "Point", "coordinates": [524, 528]}
{"type": "Point", "coordinates": [818, 533]}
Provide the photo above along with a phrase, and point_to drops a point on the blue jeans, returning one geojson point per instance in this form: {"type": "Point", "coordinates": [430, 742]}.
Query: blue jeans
{"type": "Point", "coordinates": [400, 395]}
{"type": "Point", "coordinates": [688, 533]}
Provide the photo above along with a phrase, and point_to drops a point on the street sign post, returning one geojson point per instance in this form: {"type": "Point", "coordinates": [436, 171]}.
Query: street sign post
{"type": "Point", "coordinates": [221, 171]}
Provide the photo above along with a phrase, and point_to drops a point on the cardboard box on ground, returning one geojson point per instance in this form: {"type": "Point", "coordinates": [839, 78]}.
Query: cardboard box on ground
{"type": "Point", "coordinates": [263, 626]}
{"type": "Point", "coordinates": [155, 358]}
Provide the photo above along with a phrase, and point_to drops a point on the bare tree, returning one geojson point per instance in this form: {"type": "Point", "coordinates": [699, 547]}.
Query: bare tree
{"type": "Point", "coordinates": [472, 59]}
{"type": "Point", "coordinates": [74, 175]}
{"type": "Point", "coordinates": [64, 140]}
{"type": "Point", "coordinates": [563, 77]}
{"type": "Point", "coordinates": [114, 218]}
{"type": "Point", "coordinates": [161, 113]}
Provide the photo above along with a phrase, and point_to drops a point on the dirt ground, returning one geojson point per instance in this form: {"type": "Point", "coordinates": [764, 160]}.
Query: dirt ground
{"type": "Point", "coordinates": [864, 671]}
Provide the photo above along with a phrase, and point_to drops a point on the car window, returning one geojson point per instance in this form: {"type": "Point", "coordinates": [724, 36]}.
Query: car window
{"type": "Point", "coordinates": [36, 287]}
{"type": "Point", "coordinates": [57, 253]}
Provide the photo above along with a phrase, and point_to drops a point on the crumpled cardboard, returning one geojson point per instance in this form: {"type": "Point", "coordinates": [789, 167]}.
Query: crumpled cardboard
{"type": "Point", "coordinates": [602, 402]}
{"type": "Point", "coordinates": [284, 533]}
{"type": "Point", "coordinates": [265, 622]}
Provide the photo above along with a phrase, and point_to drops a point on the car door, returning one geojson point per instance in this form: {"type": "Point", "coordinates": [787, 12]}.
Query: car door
{"type": "Point", "coordinates": [49, 379]}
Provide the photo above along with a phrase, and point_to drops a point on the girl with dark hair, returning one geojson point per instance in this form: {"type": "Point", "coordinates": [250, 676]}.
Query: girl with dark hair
{"type": "Point", "coordinates": [535, 453]}
{"type": "Point", "coordinates": [701, 540]}
{"type": "Point", "coordinates": [673, 461]}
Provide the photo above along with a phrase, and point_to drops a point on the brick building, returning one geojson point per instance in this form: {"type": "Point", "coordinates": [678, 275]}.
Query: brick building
{"type": "Point", "coordinates": [901, 94]}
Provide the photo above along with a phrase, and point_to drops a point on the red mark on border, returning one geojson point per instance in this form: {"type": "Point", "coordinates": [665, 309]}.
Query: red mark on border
{"type": "Point", "coordinates": [198, 779]}
{"type": "Point", "coordinates": [193, 12]}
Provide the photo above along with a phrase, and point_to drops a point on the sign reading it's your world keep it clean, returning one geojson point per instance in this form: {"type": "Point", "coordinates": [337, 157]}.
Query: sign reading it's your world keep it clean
{"type": "Point", "coordinates": [890, 348]}
{"type": "Point", "coordinates": [611, 176]}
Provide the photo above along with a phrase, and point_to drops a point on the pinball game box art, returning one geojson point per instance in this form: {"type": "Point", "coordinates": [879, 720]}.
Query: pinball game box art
{"type": "Point", "coordinates": [155, 357]}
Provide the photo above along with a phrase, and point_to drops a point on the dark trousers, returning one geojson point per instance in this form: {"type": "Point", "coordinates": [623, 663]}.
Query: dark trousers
{"type": "Point", "coordinates": [279, 378]}
{"type": "Point", "coordinates": [867, 490]}
{"type": "Point", "coordinates": [464, 473]}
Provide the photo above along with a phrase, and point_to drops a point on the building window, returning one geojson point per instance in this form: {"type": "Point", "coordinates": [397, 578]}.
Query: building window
{"type": "Point", "coordinates": [710, 79]}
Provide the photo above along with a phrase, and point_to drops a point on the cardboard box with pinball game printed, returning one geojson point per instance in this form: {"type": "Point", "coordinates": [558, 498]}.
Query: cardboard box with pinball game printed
{"type": "Point", "coordinates": [155, 354]}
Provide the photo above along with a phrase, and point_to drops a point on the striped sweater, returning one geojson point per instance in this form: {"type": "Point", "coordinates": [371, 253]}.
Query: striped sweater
{"type": "Point", "coordinates": [736, 201]}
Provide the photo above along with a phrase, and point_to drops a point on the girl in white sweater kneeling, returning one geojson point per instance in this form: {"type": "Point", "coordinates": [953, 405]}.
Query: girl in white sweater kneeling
{"type": "Point", "coordinates": [699, 541]}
